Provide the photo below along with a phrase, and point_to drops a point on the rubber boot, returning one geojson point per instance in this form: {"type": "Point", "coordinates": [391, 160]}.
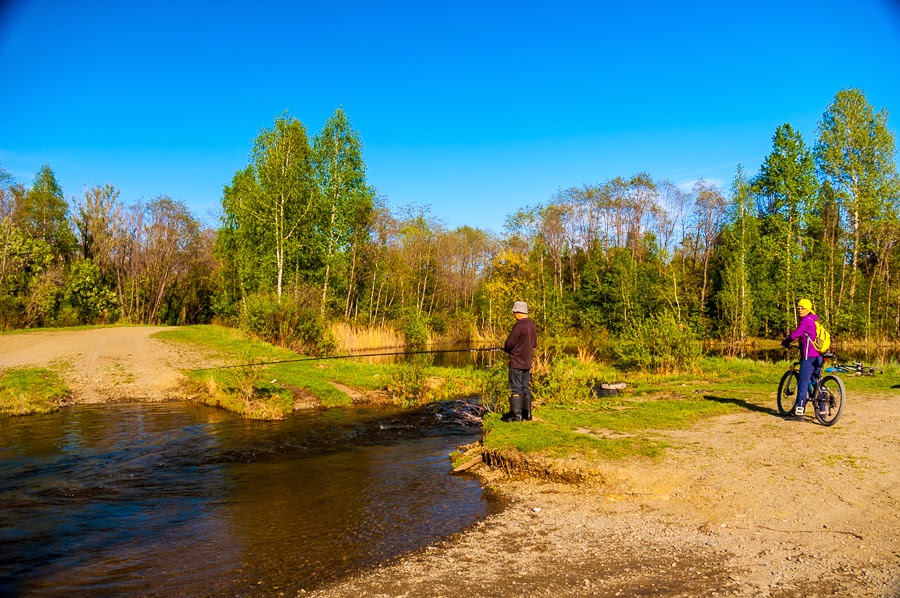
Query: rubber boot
{"type": "Point", "coordinates": [526, 406]}
{"type": "Point", "coordinates": [515, 409]}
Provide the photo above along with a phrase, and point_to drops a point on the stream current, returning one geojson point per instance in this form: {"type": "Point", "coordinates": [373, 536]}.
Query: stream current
{"type": "Point", "coordinates": [182, 499]}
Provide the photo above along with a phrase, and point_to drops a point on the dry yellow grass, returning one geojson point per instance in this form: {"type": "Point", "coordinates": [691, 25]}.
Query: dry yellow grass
{"type": "Point", "coordinates": [353, 339]}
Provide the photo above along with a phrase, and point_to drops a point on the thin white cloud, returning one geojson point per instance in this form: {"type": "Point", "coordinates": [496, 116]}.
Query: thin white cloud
{"type": "Point", "coordinates": [688, 185]}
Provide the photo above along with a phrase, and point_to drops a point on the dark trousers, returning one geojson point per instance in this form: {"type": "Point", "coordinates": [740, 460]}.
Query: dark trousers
{"type": "Point", "coordinates": [519, 381]}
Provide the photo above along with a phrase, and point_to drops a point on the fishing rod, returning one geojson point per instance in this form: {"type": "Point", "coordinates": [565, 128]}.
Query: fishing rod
{"type": "Point", "coordinates": [225, 367]}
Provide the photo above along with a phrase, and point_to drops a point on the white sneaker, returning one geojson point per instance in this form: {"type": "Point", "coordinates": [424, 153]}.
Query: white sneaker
{"type": "Point", "coordinates": [798, 410]}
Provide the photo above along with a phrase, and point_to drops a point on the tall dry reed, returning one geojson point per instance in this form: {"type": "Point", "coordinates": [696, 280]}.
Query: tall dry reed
{"type": "Point", "coordinates": [355, 339]}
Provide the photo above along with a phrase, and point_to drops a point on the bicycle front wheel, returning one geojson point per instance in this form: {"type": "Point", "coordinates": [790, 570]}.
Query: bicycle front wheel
{"type": "Point", "coordinates": [787, 392]}
{"type": "Point", "coordinates": [869, 370]}
{"type": "Point", "coordinates": [830, 400]}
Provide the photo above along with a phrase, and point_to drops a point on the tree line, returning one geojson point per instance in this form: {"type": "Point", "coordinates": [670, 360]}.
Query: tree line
{"type": "Point", "coordinates": [304, 240]}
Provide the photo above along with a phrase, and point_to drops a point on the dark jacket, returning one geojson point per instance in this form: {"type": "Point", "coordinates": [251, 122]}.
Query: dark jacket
{"type": "Point", "coordinates": [522, 340]}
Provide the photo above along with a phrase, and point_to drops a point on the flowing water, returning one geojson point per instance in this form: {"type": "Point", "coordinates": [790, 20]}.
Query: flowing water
{"type": "Point", "coordinates": [181, 499]}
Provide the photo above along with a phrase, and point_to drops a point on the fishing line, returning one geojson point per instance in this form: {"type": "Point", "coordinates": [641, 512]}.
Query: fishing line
{"type": "Point", "coordinates": [225, 367]}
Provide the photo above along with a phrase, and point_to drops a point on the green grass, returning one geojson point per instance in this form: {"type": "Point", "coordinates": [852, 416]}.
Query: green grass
{"type": "Point", "coordinates": [609, 428]}
{"type": "Point", "coordinates": [871, 383]}
{"type": "Point", "coordinates": [275, 384]}
{"type": "Point", "coordinates": [627, 425]}
{"type": "Point", "coordinates": [27, 391]}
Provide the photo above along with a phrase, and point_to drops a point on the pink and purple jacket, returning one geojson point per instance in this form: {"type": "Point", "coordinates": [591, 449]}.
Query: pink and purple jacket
{"type": "Point", "coordinates": [806, 332]}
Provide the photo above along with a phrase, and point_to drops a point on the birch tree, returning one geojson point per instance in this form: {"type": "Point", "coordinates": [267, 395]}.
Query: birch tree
{"type": "Point", "coordinates": [271, 208]}
{"type": "Point", "coordinates": [856, 154]}
{"type": "Point", "coordinates": [347, 199]}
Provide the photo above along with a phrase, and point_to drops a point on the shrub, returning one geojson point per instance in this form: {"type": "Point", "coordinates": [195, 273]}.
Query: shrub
{"type": "Point", "coordinates": [415, 328]}
{"type": "Point", "coordinates": [495, 386]}
{"type": "Point", "coordinates": [408, 382]}
{"type": "Point", "coordinates": [569, 380]}
{"type": "Point", "coordinates": [456, 327]}
{"type": "Point", "coordinates": [44, 295]}
{"type": "Point", "coordinates": [243, 379]}
{"type": "Point", "coordinates": [87, 297]}
{"type": "Point", "coordinates": [242, 389]}
{"type": "Point", "coordinates": [291, 323]}
{"type": "Point", "coordinates": [561, 380]}
{"type": "Point", "coordinates": [66, 316]}
{"type": "Point", "coordinates": [660, 344]}
{"type": "Point", "coordinates": [11, 309]}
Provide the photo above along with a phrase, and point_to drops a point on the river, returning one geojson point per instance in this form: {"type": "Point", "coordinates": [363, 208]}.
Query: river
{"type": "Point", "coordinates": [182, 499]}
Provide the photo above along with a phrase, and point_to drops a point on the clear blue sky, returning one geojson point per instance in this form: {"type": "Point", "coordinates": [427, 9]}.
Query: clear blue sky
{"type": "Point", "coordinates": [474, 108]}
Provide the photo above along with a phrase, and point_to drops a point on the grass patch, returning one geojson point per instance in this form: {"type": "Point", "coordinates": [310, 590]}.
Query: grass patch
{"type": "Point", "coordinates": [554, 440]}
{"type": "Point", "coordinates": [26, 391]}
{"type": "Point", "coordinates": [259, 389]}
{"type": "Point", "coordinates": [845, 460]}
{"type": "Point", "coordinates": [601, 428]}
{"type": "Point", "coordinates": [623, 426]}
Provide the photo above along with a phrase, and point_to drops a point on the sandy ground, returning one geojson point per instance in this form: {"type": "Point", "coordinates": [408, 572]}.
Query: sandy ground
{"type": "Point", "coordinates": [107, 364]}
{"type": "Point", "coordinates": [741, 505]}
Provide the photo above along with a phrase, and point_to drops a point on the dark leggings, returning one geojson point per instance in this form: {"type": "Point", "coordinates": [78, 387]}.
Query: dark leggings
{"type": "Point", "coordinates": [807, 368]}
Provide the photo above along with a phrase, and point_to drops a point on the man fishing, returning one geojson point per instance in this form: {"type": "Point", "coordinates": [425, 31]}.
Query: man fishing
{"type": "Point", "coordinates": [520, 344]}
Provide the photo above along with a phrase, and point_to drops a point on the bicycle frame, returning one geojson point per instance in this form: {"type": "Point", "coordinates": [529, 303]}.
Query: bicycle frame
{"type": "Point", "coordinates": [826, 394]}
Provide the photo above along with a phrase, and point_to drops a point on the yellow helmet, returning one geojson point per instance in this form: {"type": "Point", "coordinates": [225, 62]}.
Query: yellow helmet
{"type": "Point", "coordinates": [805, 304]}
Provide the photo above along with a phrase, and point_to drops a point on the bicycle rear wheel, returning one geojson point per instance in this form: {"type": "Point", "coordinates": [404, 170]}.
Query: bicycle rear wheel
{"type": "Point", "coordinates": [830, 401]}
{"type": "Point", "coordinates": [787, 392]}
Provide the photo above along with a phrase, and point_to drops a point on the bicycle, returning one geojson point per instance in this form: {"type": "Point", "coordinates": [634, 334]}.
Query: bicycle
{"type": "Point", "coordinates": [855, 368]}
{"type": "Point", "coordinates": [826, 394]}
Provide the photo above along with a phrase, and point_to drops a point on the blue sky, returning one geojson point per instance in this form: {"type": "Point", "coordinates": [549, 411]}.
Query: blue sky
{"type": "Point", "coordinates": [476, 109]}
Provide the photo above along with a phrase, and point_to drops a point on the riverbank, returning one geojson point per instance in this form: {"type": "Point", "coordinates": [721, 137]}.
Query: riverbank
{"type": "Point", "coordinates": [745, 504]}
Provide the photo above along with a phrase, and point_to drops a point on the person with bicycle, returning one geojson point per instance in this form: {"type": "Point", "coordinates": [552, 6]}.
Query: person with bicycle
{"type": "Point", "coordinates": [810, 359]}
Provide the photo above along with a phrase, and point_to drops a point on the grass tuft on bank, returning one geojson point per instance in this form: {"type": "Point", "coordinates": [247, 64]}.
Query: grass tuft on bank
{"type": "Point", "coordinates": [30, 391]}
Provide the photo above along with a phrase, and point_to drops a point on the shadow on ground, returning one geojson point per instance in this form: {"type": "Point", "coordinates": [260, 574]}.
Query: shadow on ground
{"type": "Point", "coordinates": [743, 404]}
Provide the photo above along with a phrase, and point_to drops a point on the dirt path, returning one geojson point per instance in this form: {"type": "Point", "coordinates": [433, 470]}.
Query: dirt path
{"type": "Point", "coordinates": [107, 364]}
{"type": "Point", "coordinates": [741, 505]}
